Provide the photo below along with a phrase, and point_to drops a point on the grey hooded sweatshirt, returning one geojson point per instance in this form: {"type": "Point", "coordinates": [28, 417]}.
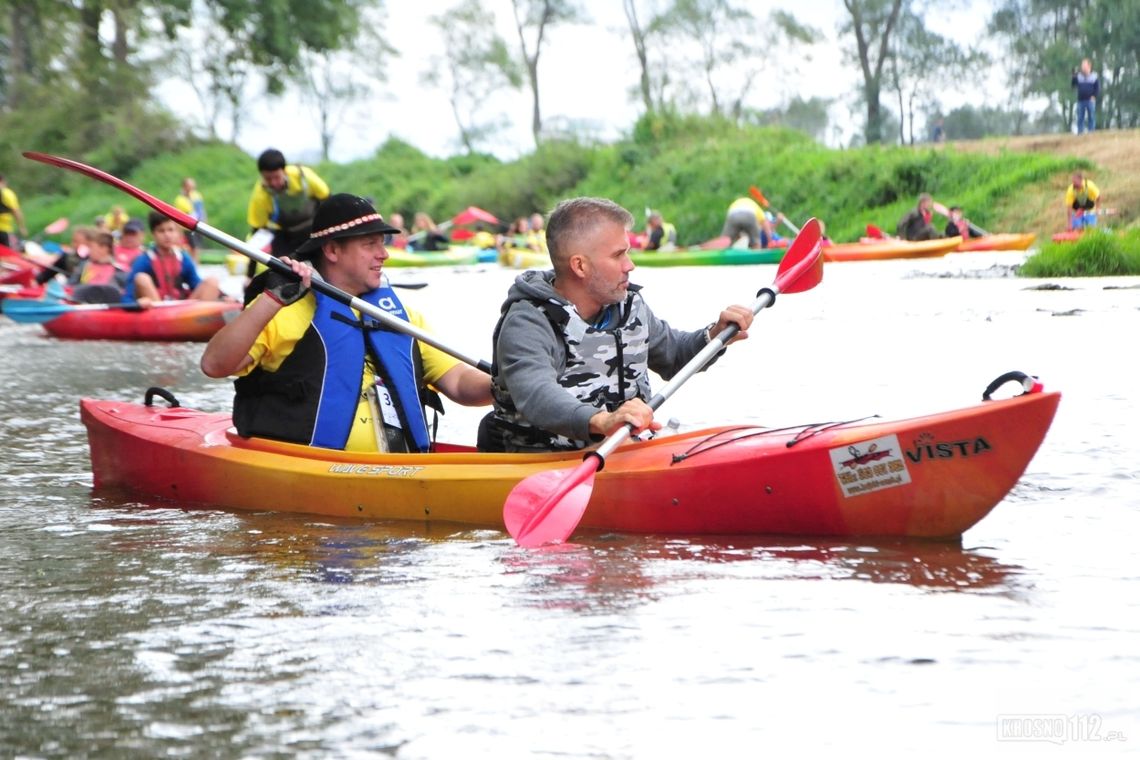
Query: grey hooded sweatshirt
{"type": "Point", "coordinates": [530, 359]}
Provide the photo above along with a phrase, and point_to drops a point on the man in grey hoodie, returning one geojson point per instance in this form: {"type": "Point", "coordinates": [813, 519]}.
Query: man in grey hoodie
{"type": "Point", "coordinates": [574, 345]}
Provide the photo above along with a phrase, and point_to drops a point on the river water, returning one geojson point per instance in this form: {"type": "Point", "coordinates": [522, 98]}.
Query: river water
{"type": "Point", "coordinates": [143, 629]}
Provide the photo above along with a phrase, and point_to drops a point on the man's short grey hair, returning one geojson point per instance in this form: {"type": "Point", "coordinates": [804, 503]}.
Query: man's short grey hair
{"type": "Point", "coordinates": [574, 217]}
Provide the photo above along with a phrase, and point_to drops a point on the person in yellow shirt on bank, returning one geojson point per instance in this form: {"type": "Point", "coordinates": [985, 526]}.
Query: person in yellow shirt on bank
{"type": "Point", "coordinates": [1082, 202]}
{"type": "Point", "coordinates": [10, 214]}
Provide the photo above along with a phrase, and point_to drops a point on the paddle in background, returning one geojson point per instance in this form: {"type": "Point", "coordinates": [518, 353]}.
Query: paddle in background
{"type": "Point", "coordinates": [547, 506]}
{"type": "Point", "coordinates": [190, 223]}
{"type": "Point", "coordinates": [36, 312]}
{"type": "Point", "coordinates": [759, 198]}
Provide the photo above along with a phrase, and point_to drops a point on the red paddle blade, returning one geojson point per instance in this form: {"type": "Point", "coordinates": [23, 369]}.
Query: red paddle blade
{"type": "Point", "coordinates": [802, 266]}
{"type": "Point", "coordinates": [758, 196]}
{"type": "Point", "coordinates": [548, 505]}
{"type": "Point", "coordinates": [474, 214]}
{"type": "Point", "coordinates": [875, 232]}
{"type": "Point", "coordinates": [183, 219]}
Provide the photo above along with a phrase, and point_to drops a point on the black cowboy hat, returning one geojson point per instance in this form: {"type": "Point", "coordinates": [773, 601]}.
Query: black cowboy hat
{"type": "Point", "coordinates": [341, 216]}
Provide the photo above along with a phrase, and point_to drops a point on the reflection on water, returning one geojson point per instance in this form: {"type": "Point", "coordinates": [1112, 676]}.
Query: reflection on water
{"type": "Point", "coordinates": [131, 628]}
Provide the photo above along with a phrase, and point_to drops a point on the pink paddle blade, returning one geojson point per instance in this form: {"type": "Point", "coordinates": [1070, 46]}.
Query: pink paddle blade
{"type": "Point", "coordinates": [548, 505]}
{"type": "Point", "coordinates": [58, 226]}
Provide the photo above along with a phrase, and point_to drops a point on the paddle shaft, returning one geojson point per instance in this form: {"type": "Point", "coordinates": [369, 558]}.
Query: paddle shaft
{"type": "Point", "coordinates": [319, 285]}
{"type": "Point", "coordinates": [764, 298]}
{"type": "Point", "coordinates": [218, 236]}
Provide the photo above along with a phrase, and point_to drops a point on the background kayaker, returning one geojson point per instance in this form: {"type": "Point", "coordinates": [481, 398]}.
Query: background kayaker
{"type": "Point", "coordinates": [312, 371]}
{"type": "Point", "coordinates": [574, 345]}
{"type": "Point", "coordinates": [284, 201]}
{"type": "Point", "coordinates": [165, 272]}
{"type": "Point", "coordinates": [746, 217]}
{"type": "Point", "coordinates": [958, 225]}
{"type": "Point", "coordinates": [1082, 202]}
{"type": "Point", "coordinates": [426, 234]}
{"type": "Point", "coordinates": [536, 233]}
{"type": "Point", "coordinates": [10, 215]}
{"type": "Point", "coordinates": [97, 278]}
{"type": "Point", "coordinates": [115, 219]}
{"type": "Point", "coordinates": [131, 243]}
{"type": "Point", "coordinates": [190, 201]}
{"type": "Point", "coordinates": [66, 261]}
{"type": "Point", "coordinates": [396, 239]}
{"type": "Point", "coordinates": [659, 234]}
{"type": "Point", "coordinates": [916, 223]}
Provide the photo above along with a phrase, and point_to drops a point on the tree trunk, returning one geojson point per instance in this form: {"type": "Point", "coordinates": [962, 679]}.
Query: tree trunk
{"type": "Point", "coordinates": [642, 53]}
{"type": "Point", "coordinates": [872, 73]}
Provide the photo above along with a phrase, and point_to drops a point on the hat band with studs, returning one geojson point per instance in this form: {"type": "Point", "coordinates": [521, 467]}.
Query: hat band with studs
{"type": "Point", "coordinates": [347, 225]}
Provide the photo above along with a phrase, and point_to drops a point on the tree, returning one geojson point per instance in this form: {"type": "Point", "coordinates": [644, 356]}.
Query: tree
{"type": "Point", "coordinates": [477, 63]}
{"type": "Point", "coordinates": [920, 62]}
{"type": "Point", "coordinates": [1042, 41]}
{"type": "Point", "coordinates": [725, 37]}
{"type": "Point", "coordinates": [808, 116]}
{"type": "Point", "coordinates": [642, 35]}
{"type": "Point", "coordinates": [871, 23]}
{"type": "Point", "coordinates": [1112, 39]}
{"type": "Point", "coordinates": [534, 17]}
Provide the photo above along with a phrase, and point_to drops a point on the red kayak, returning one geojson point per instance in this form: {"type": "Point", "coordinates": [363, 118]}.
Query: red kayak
{"type": "Point", "coordinates": [932, 476]}
{"type": "Point", "coordinates": [172, 321]}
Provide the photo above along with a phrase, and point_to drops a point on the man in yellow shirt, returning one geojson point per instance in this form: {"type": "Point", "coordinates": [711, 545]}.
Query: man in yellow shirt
{"type": "Point", "coordinates": [284, 201]}
{"type": "Point", "coordinates": [313, 371]}
{"type": "Point", "coordinates": [10, 214]}
{"type": "Point", "coordinates": [1082, 202]}
{"type": "Point", "coordinates": [745, 217]}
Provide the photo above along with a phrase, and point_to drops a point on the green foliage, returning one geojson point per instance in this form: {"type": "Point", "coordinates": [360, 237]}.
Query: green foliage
{"type": "Point", "coordinates": [1095, 254]}
{"type": "Point", "coordinates": [691, 175]}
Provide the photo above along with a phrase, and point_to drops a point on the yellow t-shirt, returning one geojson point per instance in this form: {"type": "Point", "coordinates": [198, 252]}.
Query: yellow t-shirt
{"type": "Point", "coordinates": [8, 219]}
{"type": "Point", "coordinates": [277, 340]}
{"type": "Point", "coordinates": [261, 200]}
{"type": "Point", "coordinates": [747, 203]}
{"type": "Point", "coordinates": [1092, 190]}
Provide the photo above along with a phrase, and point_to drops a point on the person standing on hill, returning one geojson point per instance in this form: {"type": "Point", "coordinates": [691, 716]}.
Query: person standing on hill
{"type": "Point", "coordinates": [10, 214]}
{"type": "Point", "coordinates": [284, 201]}
{"type": "Point", "coordinates": [916, 223]}
{"type": "Point", "coordinates": [745, 217]}
{"type": "Point", "coordinates": [1082, 202]}
{"type": "Point", "coordinates": [1088, 89]}
{"type": "Point", "coordinates": [190, 202]}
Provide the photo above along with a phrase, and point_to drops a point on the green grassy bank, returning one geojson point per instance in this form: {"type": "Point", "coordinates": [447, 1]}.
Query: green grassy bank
{"type": "Point", "coordinates": [689, 168]}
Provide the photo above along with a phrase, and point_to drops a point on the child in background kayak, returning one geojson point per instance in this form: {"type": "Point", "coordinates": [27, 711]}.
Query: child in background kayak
{"type": "Point", "coordinates": [164, 272]}
{"type": "Point", "coordinates": [98, 279]}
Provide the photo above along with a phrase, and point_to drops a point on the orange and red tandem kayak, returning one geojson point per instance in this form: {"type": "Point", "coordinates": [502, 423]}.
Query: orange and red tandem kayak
{"type": "Point", "coordinates": [189, 320]}
{"type": "Point", "coordinates": [932, 476]}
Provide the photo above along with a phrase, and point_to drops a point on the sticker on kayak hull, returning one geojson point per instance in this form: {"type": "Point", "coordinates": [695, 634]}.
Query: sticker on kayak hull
{"type": "Point", "coordinates": [869, 466]}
